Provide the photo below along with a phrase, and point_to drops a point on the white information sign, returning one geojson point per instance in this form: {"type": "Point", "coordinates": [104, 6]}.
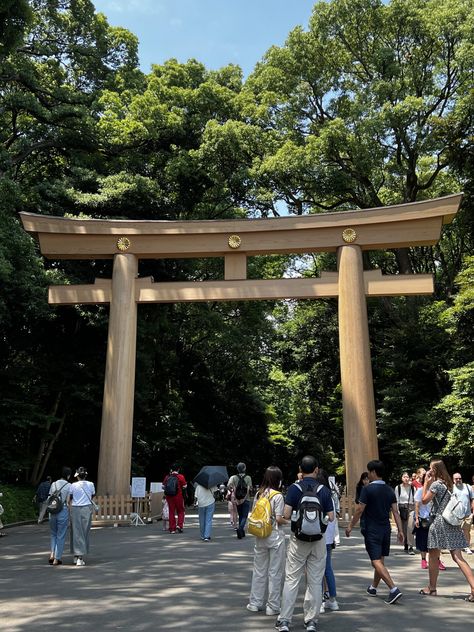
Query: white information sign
{"type": "Point", "coordinates": [138, 487]}
{"type": "Point", "coordinates": [156, 487]}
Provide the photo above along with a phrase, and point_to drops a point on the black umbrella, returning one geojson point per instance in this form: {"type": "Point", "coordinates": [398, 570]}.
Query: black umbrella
{"type": "Point", "coordinates": [212, 475]}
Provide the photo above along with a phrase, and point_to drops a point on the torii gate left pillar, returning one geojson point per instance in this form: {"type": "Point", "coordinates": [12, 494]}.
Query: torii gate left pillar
{"type": "Point", "coordinates": [119, 386]}
{"type": "Point", "coordinates": [346, 233]}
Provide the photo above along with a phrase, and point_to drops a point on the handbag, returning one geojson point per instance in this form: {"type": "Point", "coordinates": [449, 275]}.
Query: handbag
{"type": "Point", "coordinates": [403, 510]}
{"type": "Point", "coordinates": [425, 523]}
{"type": "Point", "coordinates": [453, 513]}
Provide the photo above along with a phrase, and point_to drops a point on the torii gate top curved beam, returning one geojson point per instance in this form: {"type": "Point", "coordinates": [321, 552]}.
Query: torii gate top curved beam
{"type": "Point", "coordinates": [412, 224]}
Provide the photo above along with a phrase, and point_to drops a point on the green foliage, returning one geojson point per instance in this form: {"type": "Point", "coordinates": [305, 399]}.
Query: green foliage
{"type": "Point", "coordinates": [370, 105]}
{"type": "Point", "coordinates": [17, 502]}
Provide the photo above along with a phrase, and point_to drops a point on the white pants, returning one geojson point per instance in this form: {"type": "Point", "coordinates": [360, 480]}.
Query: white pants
{"type": "Point", "coordinates": [301, 557]}
{"type": "Point", "coordinates": [268, 570]}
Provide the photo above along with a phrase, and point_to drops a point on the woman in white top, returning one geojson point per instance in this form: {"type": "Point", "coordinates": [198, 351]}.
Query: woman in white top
{"type": "Point", "coordinates": [59, 522]}
{"type": "Point", "coordinates": [405, 495]}
{"type": "Point", "coordinates": [81, 505]}
{"type": "Point", "coordinates": [206, 503]}
{"type": "Point", "coordinates": [270, 552]}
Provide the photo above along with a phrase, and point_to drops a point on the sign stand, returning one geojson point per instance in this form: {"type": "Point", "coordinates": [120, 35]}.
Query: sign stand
{"type": "Point", "coordinates": [136, 518]}
{"type": "Point", "coordinates": [138, 492]}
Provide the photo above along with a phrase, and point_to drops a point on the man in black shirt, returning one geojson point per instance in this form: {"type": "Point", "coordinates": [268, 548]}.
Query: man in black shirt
{"type": "Point", "coordinates": [376, 502]}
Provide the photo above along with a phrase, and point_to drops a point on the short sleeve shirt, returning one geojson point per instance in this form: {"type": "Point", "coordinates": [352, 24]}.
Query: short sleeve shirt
{"type": "Point", "coordinates": [294, 494]}
{"type": "Point", "coordinates": [233, 480]}
{"type": "Point", "coordinates": [81, 493]}
{"type": "Point", "coordinates": [378, 498]}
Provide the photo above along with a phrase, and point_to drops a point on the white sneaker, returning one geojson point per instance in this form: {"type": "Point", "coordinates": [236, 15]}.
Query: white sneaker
{"type": "Point", "coordinates": [467, 551]}
{"type": "Point", "coordinates": [80, 562]}
{"type": "Point", "coordinates": [332, 604]}
{"type": "Point", "coordinates": [253, 608]}
{"type": "Point", "coordinates": [270, 612]}
{"type": "Point", "coordinates": [322, 610]}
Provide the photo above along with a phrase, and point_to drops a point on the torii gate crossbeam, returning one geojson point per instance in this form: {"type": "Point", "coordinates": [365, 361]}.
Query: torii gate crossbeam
{"type": "Point", "coordinates": [348, 233]}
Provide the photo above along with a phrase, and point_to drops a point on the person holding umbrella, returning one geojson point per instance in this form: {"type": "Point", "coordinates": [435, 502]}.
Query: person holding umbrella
{"type": "Point", "coordinates": [206, 483]}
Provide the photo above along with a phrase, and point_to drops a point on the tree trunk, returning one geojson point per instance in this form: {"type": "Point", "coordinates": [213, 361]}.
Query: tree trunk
{"type": "Point", "coordinates": [403, 260]}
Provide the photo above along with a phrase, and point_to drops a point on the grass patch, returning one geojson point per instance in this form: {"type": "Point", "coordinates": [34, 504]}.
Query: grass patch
{"type": "Point", "coordinates": [17, 502]}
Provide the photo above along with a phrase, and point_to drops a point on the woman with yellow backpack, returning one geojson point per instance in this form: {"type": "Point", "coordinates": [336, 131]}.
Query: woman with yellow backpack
{"type": "Point", "coordinates": [269, 551]}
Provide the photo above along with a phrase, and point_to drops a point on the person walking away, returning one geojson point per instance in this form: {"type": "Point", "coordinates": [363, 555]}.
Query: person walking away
{"type": "Point", "coordinates": [376, 502]}
{"type": "Point", "coordinates": [206, 503]}
{"type": "Point", "coordinates": [42, 492]}
{"type": "Point", "coordinates": [466, 495]}
{"type": "Point", "coordinates": [269, 552]}
{"type": "Point", "coordinates": [329, 597]}
{"type": "Point", "coordinates": [173, 486]}
{"type": "Point", "coordinates": [363, 481]}
{"type": "Point", "coordinates": [442, 535]}
{"type": "Point", "coordinates": [80, 507]}
{"type": "Point", "coordinates": [59, 522]}
{"type": "Point", "coordinates": [240, 485]}
{"type": "Point", "coordinates": [309, 555]}
{"type": "Point", "coordinates": [404, 494]}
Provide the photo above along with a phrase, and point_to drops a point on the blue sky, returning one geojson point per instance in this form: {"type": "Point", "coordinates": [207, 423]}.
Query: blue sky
{"type": "Point", "coordinates": [215, 32]}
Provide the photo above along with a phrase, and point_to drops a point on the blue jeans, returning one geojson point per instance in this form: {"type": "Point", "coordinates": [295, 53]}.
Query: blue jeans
{"type": "Point", "coordinates": [58, 524]}
{"type": "Point", "coordinates": [329, 573]}
{"type": "Point", "coordinates": [243, 512]}
{"type": "Point", "coordinates": [205, 520]}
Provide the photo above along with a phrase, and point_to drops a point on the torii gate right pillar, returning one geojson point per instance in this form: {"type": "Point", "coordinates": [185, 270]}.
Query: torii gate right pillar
{"type": "Point", "coordinates": [360, 433]}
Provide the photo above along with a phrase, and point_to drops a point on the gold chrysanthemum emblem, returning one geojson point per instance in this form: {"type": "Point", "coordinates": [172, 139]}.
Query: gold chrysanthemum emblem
{"type": "Point", "coordinates": [349, 235]}
{"type": "Point", "coordinates": [123, 243]}
{"type": "Point", "coordinates": [234, 241]}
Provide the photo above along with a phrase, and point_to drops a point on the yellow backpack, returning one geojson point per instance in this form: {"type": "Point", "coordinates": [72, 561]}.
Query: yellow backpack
{"type": "Point", "coordinates": [260, 520]}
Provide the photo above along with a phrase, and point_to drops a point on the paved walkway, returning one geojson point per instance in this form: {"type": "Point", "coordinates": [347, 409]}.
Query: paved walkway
{"type": "Point", "coordinates": [141, 578]}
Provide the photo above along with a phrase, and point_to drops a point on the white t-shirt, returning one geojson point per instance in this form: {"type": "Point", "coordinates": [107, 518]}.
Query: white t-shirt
{"type": "Point", "coordinates": [423, 510]}
{"type": "Point", "coordinates": [63, 487]}
{"type": "Point", "coordinates": [204, 496]}
{"type": "Point", "coordinates": [465, 496]}
{"type": "Point", "coordinates": [81, 493]}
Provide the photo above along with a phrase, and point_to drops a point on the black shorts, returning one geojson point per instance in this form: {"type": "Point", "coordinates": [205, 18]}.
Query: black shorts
{"type": "Point", "coordinates": [377, 542]}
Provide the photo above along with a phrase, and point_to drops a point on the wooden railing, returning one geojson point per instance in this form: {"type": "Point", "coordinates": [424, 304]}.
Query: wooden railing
{"type": "Point", "coordinates": [112, 510]}
{"type": "Point", "coordinates": [119, 510]}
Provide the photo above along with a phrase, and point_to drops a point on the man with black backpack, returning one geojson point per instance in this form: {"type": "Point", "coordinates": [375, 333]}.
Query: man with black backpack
{"type": "Point", "coordinates": [240, 486]}
{"type": "Point", "coordinates": [174, 485]}
{"type": "Point", "coordinates": [310, 507]}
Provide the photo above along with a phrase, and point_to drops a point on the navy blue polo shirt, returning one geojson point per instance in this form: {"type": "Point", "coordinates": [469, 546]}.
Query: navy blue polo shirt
{"type": "Point", "coordinates": [378, 498]}
{"type": "Point", "coordinates": [294, 494]}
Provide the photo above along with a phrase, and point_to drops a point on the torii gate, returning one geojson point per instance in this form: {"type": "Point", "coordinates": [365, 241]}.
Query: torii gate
{"type": "Point", "coordinates": [347, 233]}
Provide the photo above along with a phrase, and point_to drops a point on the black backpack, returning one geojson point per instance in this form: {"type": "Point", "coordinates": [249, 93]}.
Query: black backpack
{"type": "Point", "coordinates": [55, 502]}
{"type": "Point", "coordinates": [171, 485]}
{"type": "Point", "coordinates": [242, 489]}
{"type": "Point", "coordinates": [308, 523]}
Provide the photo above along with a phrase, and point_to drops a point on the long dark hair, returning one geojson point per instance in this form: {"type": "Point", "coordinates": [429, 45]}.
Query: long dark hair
{"type": "Point", "coordinates": [323, 479]}
{"type": "Point", "coordinates": [271, 479]}
{"type": "Point", "coordinates": [439, 470]}
{"type": "Point", "coordinates": [360, 484]}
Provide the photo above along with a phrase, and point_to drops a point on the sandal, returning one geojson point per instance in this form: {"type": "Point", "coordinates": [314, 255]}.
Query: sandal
{"type": "Point", "coordinates": [469, 598]}
{"type": "Point", "coordinates": [430, 592]}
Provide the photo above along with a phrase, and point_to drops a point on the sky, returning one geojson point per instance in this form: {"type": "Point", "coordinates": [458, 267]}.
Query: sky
{"type": "Point", "coordinates": [215, 32]}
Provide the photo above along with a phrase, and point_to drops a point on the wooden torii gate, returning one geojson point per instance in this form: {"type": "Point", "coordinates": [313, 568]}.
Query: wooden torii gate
{"type": "Point", "coordinates": [348, 233]}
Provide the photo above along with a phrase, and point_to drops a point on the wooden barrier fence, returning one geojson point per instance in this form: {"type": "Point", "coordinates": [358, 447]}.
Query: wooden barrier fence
{"type": "Point", "coordinates": [112, 510]}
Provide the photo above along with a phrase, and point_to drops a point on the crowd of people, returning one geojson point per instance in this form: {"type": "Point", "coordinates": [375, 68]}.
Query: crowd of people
{"type": "Point", "coordinates": [419, 506]}
{"type": "Point", "coordinates": [416, 505]}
